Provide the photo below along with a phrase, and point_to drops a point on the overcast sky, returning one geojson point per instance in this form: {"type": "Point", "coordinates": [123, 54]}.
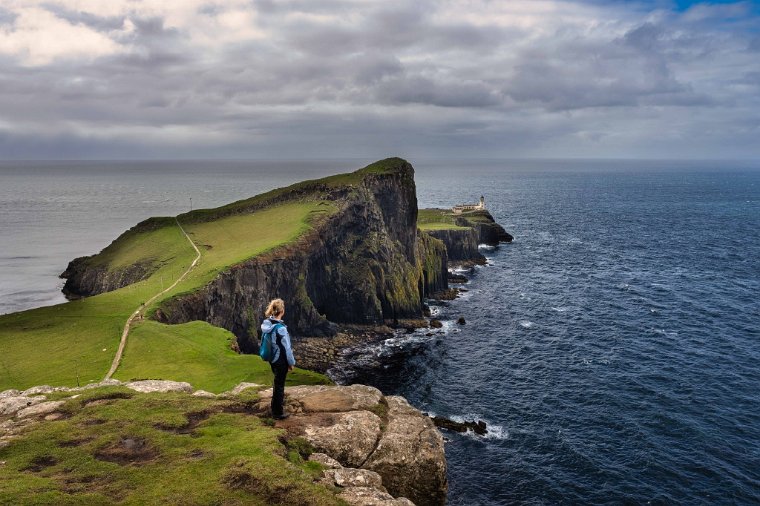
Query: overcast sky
{"type": "Point", "coordinates": [362, 78]}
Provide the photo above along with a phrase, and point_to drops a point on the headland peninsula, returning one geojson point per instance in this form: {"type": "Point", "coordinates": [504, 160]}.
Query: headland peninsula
{"type": "Point", "coordinates": [179, 300]}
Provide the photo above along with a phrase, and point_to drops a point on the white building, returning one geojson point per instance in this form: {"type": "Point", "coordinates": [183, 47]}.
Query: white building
{"type": "Point", "coordinates": [459, 209]}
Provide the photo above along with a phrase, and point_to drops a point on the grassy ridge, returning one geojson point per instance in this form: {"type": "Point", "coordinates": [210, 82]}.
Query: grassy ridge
{"type": "Point", "coordinates": [64, 344]}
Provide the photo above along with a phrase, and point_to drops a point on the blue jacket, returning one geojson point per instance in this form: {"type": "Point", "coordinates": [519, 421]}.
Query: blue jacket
{"type": "Point", "coordinates": [280, 341]}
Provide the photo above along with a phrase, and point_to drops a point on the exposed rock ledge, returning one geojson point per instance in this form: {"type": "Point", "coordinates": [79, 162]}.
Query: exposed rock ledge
{"type": "Point", "coordinates": [377, 449]}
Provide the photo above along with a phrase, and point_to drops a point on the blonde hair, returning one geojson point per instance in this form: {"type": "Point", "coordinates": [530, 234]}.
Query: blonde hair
{"type": "Point", "coordinates": [275, 307]}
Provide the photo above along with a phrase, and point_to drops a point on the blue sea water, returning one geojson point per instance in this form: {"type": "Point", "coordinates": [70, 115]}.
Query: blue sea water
{"type": "Point", "coordinates": [613, 348]}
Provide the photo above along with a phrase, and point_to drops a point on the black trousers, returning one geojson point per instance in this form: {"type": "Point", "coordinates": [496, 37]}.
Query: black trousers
{"type": "Point", "coordinates": [280, 371]}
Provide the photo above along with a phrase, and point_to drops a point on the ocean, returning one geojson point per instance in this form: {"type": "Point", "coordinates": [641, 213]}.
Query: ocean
{"type": "Point", "coordinates": [613, 348]}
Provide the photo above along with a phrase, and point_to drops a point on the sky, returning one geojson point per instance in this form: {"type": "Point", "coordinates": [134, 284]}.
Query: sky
{"type": "Point", "coordinates": [145, 79]}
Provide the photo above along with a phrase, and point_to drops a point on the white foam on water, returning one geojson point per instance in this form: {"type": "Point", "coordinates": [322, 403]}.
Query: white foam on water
{"type": "Point", "coordinates": [493, 431]}
{"type": "Point", "coordinates": [561, 309]}
{"type": "Point", "coordinates": [527, 324]}
{"type": "Point", "coordinates": [487, 247]}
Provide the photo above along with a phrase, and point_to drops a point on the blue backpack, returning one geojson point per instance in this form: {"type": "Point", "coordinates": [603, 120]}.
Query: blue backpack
{"type": "Point", "coordinates": [265, 350]}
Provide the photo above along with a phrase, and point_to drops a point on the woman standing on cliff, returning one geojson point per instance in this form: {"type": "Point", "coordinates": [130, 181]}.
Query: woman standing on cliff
{"type": "Point", "coordinates": [282, 359]}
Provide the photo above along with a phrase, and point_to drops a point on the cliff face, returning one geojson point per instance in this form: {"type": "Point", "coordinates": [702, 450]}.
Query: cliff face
{"type": "Point", "coordinates": [460, 244]}
{"type": "Point", "coordinates": [366, 263]}
{"type": "Point", "coordinates": [489, 232]}
{"type": "Point", "coordinates": [87, 276]}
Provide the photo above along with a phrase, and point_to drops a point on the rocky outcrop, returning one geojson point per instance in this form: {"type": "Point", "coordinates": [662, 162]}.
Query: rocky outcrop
{"type": "Point", "coordinates": [360, 428]}
{"type": "Point", "coordinates": [461, 244]}
{"type": "Point", "coordinates": [489, 232]}
{"type": "Point", "coordinates": [90, 275]}
{"type": "Point", "coordinates": [375, 450]}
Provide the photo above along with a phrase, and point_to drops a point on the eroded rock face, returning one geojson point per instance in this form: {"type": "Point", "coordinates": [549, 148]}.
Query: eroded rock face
{"type": "Point", "coordinates": [460, 244]}
{"type": "Point", "coordinates": [358, 427]}
{"type": "Point", "coordinates": [409, 455]}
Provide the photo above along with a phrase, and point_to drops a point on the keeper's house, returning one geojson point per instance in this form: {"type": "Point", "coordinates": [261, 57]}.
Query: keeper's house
{"type": "Point", "coordinates": [459, 209]}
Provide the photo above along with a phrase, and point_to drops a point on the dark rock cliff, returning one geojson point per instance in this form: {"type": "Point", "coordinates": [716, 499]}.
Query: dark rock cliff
{"type": "Point", "coordinates": [461, 245]}
{"type": "Point", "coordinates": [88, 275]}
{"type": "Point", "coordinates": [366, 263]}
{"type": "Point", "coordinates": [489, 232]}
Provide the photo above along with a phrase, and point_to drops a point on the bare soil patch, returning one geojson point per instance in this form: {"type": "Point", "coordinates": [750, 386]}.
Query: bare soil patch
{"type": "Point", "coordinates": [128, 450]}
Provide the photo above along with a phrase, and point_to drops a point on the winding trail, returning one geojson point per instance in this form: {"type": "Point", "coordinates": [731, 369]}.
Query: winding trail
{"type": "Point", "coordinates": [139, 310]}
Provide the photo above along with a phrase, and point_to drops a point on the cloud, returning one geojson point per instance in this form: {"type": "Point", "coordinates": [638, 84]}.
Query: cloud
{"type": "Point", "coordinates": [138, 78]}
{"type": "Point", "coordinates": [37, 37]}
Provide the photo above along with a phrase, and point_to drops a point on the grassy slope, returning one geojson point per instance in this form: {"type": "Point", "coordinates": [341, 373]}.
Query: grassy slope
{"type": "Point", "coordinates": [54, 345]}
{"type": "Point", "coordinates": [199, 353]}
{"type": "Point", "coordinates": [228, 458]}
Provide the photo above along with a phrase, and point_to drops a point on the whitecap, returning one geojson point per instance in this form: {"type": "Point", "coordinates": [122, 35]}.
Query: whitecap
{"type": "Point", "coordinates": [493, 431]}
{"type": "Point", "coordinates": [561, 309]}
{"type": "Point", "coordinates": [486, 247]}
{"type": "Point", "coordinates": [526, 324]}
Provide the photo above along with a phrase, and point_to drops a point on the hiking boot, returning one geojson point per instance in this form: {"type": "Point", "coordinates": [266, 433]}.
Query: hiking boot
{"type": "Point", "coordinates": [282, 416]}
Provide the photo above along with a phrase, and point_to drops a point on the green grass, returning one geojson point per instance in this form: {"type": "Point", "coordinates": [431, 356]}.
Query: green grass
{"type": "Point", "coordinates": [199, 353]}
{"type": "Point", "coordinates": [313, 188]}
{"type": "Point", "coordinates": [142, 449]}
{"type": "Point", "coordinates": [74, 343]}
{"type": "Point", "coordinates": [437, 219]}
{"type": "Point", "coordinates": [441, 226]}
{"type": "Point", "coordinates": [63, 344]}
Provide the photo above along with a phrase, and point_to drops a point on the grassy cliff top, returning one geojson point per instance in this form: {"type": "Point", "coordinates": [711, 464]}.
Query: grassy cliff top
{"type": "Point", "coordinates": [437, 219]}
{"type": "Point", "coordinates": [312, 189]}
{"type": "Point", "coordinates": [113, 445]}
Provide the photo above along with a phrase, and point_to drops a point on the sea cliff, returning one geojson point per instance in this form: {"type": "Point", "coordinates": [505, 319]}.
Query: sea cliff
{"type": "Point", "coordinates": [364, 260]}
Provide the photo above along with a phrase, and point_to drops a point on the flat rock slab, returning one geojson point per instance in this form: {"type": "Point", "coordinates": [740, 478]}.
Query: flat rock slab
{"type": "Point", "coordinates": [203, 393]}
{"type": "Point", "coordinates": [9, 393]}
{"type": "Point", "coordinates": [367, 496]}
{"type": "Point", "coordinates": [326, 399]}
{"type": "Point", "coordinates": [240, 387]}
{"type": "Point", "coordinates": [12, 405]}
{"type": "Point", "coordinates": [43, 408]}
{"type": "Point", "coordinates": [348, 437]}
{"type": "Point", "coordinates": [44, 389]}
{"type": "Point", "coordinates": [146, 386]}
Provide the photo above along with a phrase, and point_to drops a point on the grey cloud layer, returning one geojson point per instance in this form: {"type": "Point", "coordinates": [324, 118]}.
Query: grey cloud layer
{"type": "Point", "coordinates": [333, 78]}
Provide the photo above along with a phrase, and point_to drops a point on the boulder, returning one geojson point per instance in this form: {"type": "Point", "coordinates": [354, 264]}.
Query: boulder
{"type": "Point", "coordinates": [146, 386]}
{"type": "Point", "coordinates": [11, 405]}
{"type": "Point", "coordinates": [348, 437]}
{"type": "Point", "coordinates": [350, 477]}
{"type": "Point", "coordinates": [9, 393]}
{"type": "Point", "coordinates": [203, 393]}
{"type": "Point", "coordinates": [239, 389]}
{"type": "Point", "coordinates": [410, 455]}
{"type": "Point", "coordinates": [42, 408]}
{"type": "Point", "coordinates": [325, 460]}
